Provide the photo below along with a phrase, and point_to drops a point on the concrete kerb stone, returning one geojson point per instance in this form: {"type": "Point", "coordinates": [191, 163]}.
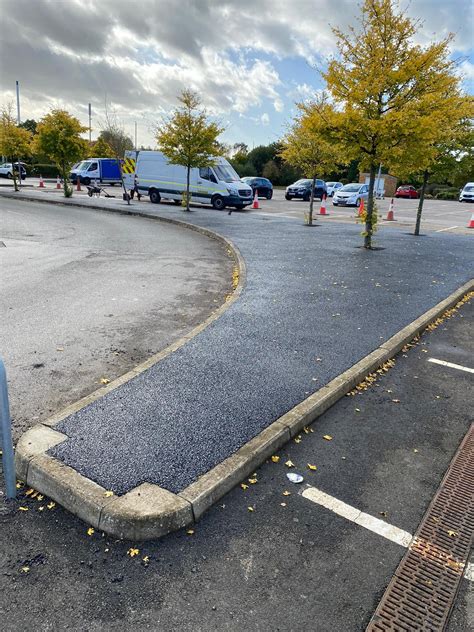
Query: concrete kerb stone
{"type": "Point", "coordinates": [75, 492]}
{"type": "Point", "coordinates": [211, 486]}
{"type": "Point", "coordinates": [146, 512]}
{"type": "Point", "coordinates": [36, 441]}
{"type": "Point", "coordinates": [149, 511]}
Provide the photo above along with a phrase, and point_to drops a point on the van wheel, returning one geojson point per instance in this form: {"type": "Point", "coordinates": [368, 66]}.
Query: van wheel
{"type": "Point", "coordinates": [155, 197]}
{"type": "Point", "coordinates": [218, 203]}
{"type": "Point", "coordinates": [86, 181]}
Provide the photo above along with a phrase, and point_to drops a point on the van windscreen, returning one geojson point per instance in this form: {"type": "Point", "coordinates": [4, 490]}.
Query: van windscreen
{"type": "Point", "coordinates": [226, 173]}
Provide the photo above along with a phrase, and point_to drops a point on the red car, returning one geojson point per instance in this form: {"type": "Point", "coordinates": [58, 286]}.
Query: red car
{"type": "Point", "coordinates": [407, 191]}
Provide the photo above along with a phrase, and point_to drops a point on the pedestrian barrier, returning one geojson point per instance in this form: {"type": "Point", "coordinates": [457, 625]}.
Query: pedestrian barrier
{"type": "Point", "coordinates": [6, 436]}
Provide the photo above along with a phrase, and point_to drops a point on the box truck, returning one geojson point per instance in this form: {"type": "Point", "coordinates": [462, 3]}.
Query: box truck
{"type": "Point", "coordinates": [101, 170]}
{"type": "Point", "coordinates": [218, 184]}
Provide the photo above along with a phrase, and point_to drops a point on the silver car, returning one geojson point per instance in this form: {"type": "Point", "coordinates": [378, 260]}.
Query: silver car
{"type": "Point", "coordinates": [351, 194]}
{"type": "Point", "coordinates": [333, 187]}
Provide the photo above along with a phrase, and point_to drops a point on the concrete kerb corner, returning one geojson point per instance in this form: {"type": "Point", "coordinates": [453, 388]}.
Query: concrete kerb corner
{"type": "Point", "coordinates": [148, 511]}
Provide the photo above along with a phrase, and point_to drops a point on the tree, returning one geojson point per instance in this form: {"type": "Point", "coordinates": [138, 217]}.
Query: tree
{"type": "Point", "coordinates": [188, 138]}
{"type": "Point", "coordinates": [114, 136]}
{"type": "Point", "coordinates": [59, 137]}
{"type": "Point", "coordinates": [382, 83]}
{"type": "Point", "coordinates": [30, 125]}
{"type": "Point", "coordinates": [443, 146]}
{"type": "Point", "coordinates": [15, 142]}
{"type": "Point", "coordinates": [102, 149]}
{"type": "Point", "coordinates": [271, 171]}
{"type": "Point", "coordinates": [308, 144]}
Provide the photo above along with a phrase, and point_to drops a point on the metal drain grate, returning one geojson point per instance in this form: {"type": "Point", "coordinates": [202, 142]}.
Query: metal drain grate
{"type": "Point", "coordinates": [422, 591]}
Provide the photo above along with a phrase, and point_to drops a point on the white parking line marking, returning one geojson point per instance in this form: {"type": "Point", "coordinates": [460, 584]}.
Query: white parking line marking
{"type": "Point", "coordinates": [451, 365]}
{"type": "Point", "coordinates": [386, 530]}
{"type": "Point", "coordinates": [443, 229]}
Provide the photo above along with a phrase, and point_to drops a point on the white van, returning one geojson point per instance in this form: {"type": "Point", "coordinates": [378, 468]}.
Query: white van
{"type": "Point", "coordinates": [218, 185]}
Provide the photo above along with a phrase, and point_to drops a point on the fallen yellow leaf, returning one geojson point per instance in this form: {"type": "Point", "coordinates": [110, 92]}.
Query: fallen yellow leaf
{"type": "Point", "coordinates": [22, 508]}
{"type": "Point", "coordinates": [312, 467]}
{"type": "Point", "coordinates": [40, 497]}
{"type": "Point", "coordinates": [59, 348]}
{"type": "Point", "coordinates": [289, 463]}
{"type": "Point", "coordinates": [108, 494]}
{"type": "Point", "coordinates": [133, 552]}
{"type": "Point", "coordinates": [90, 531]}
{"type": "Point", "coordinates": [297, 440]}
{"type": "Point", "coordinates": [104, 380]}
{"type": "Point", "coordinates": [146, 559]}
{"type": "Point", "coordinates": [41, 508]}
{"type": "Point", "coordinates": [286, 493]}
{"type": "Point", "coordinates": [25, 569]}
{"type": "Point", "coordinates": [283, 504]}
{"type": "Point", "coordinates": [190, 531]}
{"type": "Point", "coordinates": [29, 491]}
{"type": "Point", "coordinates": [327, 437]}
{"type": "Point", "coordinates": [253, 481]}
{"type": "Point", "coordinates": [250, 508]}
{"type": "Point", "coordinates": [51, 505]}
{"type": "Point", "coordinates": [275, 459]}
{"type": "Point", "coordinates": [396, 401]}
{"type": "Point", "coordinates": [244, 486]}
{"type": "Point", "coordinates": [451, 533]}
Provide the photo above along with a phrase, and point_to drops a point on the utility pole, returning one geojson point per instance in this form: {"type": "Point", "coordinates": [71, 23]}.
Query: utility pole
{"type": "Point", "coordinates": [90, 123]}
{"type": "Point", "coordinates": [18, 122]}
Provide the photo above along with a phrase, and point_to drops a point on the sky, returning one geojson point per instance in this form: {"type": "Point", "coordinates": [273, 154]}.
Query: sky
{"type": "Point", "coordinates": [250, 60]}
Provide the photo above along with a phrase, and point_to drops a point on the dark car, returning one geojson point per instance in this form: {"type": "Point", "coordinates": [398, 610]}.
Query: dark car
{"type": "Point", "coordinates": [262, 185]}
{"type": "Point", "coordinates": [302, 189]}
{"type": "Point", "coordinates": [407, 191]}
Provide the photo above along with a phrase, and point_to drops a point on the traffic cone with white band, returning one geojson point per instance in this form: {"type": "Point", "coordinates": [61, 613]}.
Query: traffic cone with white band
{"type": "Point", "coordinates": [322, 210]}
{"type": "Point", "coordinates": [255, 200]}
{"type": "Point", "coordinates": [58, 183]}
{"type": "Point", "coordinates": [41, 184]}
{"type": "Point", "coordinates": [390, 217]}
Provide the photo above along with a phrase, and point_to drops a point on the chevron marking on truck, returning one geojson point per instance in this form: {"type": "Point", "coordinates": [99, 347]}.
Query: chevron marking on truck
{"type": "Point", "coordinates": [128, 165]}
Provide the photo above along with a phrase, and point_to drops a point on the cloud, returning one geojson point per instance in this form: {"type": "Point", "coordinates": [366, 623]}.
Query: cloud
{"type": "Point", "coordinates": [265, 119]}
{"type": "Point", "coordinates": [140, 56]}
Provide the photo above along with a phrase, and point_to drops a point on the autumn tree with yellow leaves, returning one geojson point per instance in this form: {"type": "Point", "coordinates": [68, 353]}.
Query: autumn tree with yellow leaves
{"type": "Point", "coordinates": [188, 138]}
{"type": "Point", "coordinates": [14, 140]}
{"type": "Point", "coordinates": [309, 146]}
{"type": "Point", "coordinates": [390, 92]}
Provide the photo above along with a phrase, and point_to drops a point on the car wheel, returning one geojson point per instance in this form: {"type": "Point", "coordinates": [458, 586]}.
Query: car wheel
{"type": "Point", "coordinates": [155, 197]}
{"type": "Point", "coordinates": [269, 195]}
{"type": "Point", "coordinates": [218, 203]}
{"type": "Point", "coordinates": [9, 175]}
{"type": "Point", "coordinates": [86, 181]}
{"type": "Point", "coordinates": [335, 204]}
{"type": "Point", "coordinates": [306, 197]}
{"type": "Point", "coordinates": [288, 197]}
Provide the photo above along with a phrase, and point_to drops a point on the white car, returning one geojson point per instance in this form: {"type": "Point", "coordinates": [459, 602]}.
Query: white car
{"type": "Point", "coordinates": [351, 194]}
{"type": "Point", "coordinates": [333, 187]}
{"type": "Point", "coordinates": [6, 170]}
{"type": "Point", "coordinates": [467, 193]}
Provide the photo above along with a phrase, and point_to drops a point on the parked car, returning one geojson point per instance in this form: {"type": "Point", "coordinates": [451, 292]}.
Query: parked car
{"type": "Point", "coordinates": [302, 189]}
{"type": "Point", "coordinates": [406, 191]}
{"type": "Point", "coordinates": [6, 170]}
{"type": "Point", "coordinates": [332, 187]}
{"type": "Point", "coordinates": [467, 193]}
{"type": "Point", "coordinates": [262, 185]}
{"type": "Point", "coordinates": [351, 194]}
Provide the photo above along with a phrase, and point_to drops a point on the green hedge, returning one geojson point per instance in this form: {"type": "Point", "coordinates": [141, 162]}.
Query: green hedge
{"type": "Point", "coordinates": [448, 194]}
{"type": "Point", "coordinates": [47, 171]}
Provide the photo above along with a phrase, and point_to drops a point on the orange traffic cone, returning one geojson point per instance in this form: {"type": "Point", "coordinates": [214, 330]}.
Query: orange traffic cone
{"type": "Point", "coordinates": [390, 217]}
{"type": "Point", "coordinates": [58, 183]}
{"type": "Point", "coordinates": [322, 210]}
{"type": "Point", "coordinates": [471, 223]}
{"type": "Point", "coordinates": [41, 184]}
{"type": "Point", "coordinates": [78, 184]}
{"type": "Point", "coordinates": [361, 207]}
{"type": "Point", "coordinates": [255, 200]}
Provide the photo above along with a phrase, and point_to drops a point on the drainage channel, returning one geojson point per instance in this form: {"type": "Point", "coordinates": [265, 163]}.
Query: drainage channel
{"type": "Point", "coordinates": [422, 591]}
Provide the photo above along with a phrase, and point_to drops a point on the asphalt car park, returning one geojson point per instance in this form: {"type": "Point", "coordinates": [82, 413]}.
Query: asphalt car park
{"type": "Point", "coordinates": [438, 215]}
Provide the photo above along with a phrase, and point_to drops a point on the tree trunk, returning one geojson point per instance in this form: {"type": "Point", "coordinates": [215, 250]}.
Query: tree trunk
{"type": "Point", "coordinates": [63, 174]}
{"type": "Point", "coordinates": [311, 202]}
{"type": "Point", "coordinates": [370, 209]}
{"type": "Point", "coordinates": [420, 203]}
{"type": "Point", "coordinates": [15, 184]}
{"type": "Point", "coordinates": [188, 173]}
